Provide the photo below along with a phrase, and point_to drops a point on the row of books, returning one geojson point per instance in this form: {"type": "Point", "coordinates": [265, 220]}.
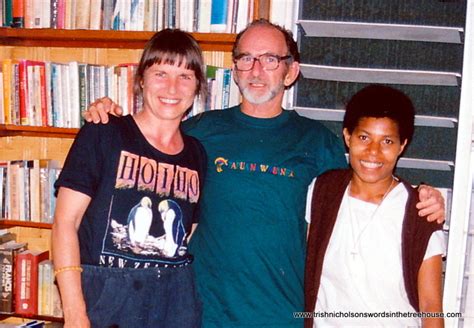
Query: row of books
{"type": "Point", "coordinates": [27, 190]}
{"type": "Point", "coordinates": [54, 94]}
{"type": "Point", "coordinates": [27, 276]}
{"type": "Point", "coordinates": [228, 16]}
{"type": "Point", "coordinates": [222, 92]}
{"type": "Point", "coordinates": [40, 93]}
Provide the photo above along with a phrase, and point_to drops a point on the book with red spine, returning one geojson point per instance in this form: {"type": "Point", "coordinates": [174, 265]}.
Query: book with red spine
{"type": "Point", "coordinates": [27, 89]}
{"type": "Point", "coordinates": [26, 281]}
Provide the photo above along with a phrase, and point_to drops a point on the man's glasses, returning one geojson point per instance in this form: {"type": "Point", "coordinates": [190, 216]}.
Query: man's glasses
{"type": "Point", "coordinates": [268, 62]}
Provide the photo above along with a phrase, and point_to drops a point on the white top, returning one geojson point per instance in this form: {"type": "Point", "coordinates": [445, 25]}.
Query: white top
{"type": "Point", "coordinates": [362, 270]}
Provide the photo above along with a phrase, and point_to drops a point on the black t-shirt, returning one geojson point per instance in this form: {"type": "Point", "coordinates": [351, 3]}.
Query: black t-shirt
{"type": "Point", "coordinates": [144, 202]}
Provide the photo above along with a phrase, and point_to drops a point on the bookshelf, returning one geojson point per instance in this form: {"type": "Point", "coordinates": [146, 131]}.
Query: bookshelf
{"type": "Point", "coordinates": [89, 46]}
{"type": "Point", "coordinates": [11, 130]}
{"type": "Point", "coordinates": [5, 224]}
{"type": "Point", "coordinates": [101, 39]}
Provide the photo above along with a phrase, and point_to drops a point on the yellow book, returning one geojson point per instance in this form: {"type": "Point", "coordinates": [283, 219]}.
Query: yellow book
{"type": "Point", "coordinates": [7, 89]}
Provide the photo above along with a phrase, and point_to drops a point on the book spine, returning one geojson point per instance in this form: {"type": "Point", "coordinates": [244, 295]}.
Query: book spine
{"type": "Point", "coordinates": [61, 20]}
{"type": "Point", "coordinates": [18, 13]}
{"type": "Point", "coordinates": [53, 22]}
{"type": "Point", "coordinates": [26, 297]}
{"type": "Point", "coordinates": [23, 82]}
{"type": "Point", "coordinates": [7, 89]}
{"type": "Point", "coordinates": [8, 16]}
{"type": "Point", "coordinates": [15, 114]}
{"type": "Point", "coordinates": [23, 298]}
{"type": "Point", "coordinates": [219, 15]}
{"type": "Point", "coordinates": [6, 271]}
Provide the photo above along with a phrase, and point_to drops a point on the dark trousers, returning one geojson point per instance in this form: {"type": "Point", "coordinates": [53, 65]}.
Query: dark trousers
{"type": "Point", "coordinates": [155, 297]}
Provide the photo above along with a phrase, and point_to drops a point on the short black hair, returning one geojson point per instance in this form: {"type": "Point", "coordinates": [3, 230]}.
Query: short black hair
{"type": "Point", "coordinates": [381, 101]}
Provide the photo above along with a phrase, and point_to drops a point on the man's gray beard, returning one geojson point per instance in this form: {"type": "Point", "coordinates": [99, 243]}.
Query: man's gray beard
{"type": "Point", "coordinates": [260, 99]}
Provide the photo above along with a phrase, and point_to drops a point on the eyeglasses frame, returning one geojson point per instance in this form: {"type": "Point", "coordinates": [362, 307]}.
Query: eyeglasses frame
{"type": "Point", "coordinates": [257, 58]}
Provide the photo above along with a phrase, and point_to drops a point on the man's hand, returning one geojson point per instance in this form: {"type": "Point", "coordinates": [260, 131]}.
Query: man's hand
{"type": "Point", "coordinates": [431, 204]}
{"type": "Point", "coordinates": [97, 111]}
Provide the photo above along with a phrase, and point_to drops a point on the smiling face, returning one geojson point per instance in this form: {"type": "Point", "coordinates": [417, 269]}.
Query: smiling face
{"type": "Point", "coordinates": [168, 90]}
{"type": "Point", "coordinates": [374, 147]}
{"type": "Point", "coordinates": [257, 85]}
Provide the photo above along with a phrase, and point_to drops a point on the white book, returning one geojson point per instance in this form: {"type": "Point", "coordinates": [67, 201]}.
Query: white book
{"type": "Point", "coordinates": [219, 88]}
{"type": "Point", "coordinates": [111, 84]}
{"type": "Point", "coordinates": [70, 22]}
{"type": "Point", "coordinates": [29, 8]}
{"type": "Point", "coordinates": [35, 191]}
{"type": "Point", "coordinates": [186, 15]}
{"type": "Point", "coordinates": [231, 15]}
{"type": "Point", "coordinates": [37, 14]}
{"type": "Point", "coordinates": [102, 81]}
{"type": "Point", "coordinates": [49, 100]}
{"type": "Point", "coordinates": [137, 15]}
{"type": "Point", "coordinates": [82, 14]}
{"type": "Point", "coordinates": [66, 94]}
{"type": "Point", "coordinates": [204, 18]}
{"type": "Point", "coordinates": [37, 107]}
{"type": "Point", "coordinates": [125, 11]}
{"type": "Point", "coordinates": [41, 293]}
{"type": "Point", "coordinates": [57, 90]}
{"type": "Point", "coordinates": [243, 18]}
{"type": "Point", "coordinates": [122, 89]}
{"type": "Point", "coordinates": [160, 14]}
{"type": "Point", "coordinates": [30, 95]}
{"type": "Point", "coordinates": [74, 105]}
{"type": "Point", "coordinates": [45, 13]}
{"type": "Point", "coordinates": [20, 182]}
{"type": "Point", "coordinates": [95, 15]}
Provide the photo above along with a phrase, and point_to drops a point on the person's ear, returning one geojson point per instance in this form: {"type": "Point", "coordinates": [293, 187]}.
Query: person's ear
{"type": "Point", "coordinates": [347, 137]}
{"type": "Point", "coordinates": [292, 74]}
{"type": "Point", "coordinates": [402, 146]}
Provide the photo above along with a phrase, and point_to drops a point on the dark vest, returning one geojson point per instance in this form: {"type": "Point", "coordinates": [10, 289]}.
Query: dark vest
{"type": "Point", "coordinates": [327, 197]}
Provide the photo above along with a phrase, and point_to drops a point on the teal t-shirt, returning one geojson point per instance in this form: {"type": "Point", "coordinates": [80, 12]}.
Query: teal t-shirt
{"type": "Point", "coordinates": [249, 247]}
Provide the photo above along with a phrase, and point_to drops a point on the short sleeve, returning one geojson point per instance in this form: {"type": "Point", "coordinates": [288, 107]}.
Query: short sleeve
{"type": "Point", "coordinates": [81, 170]}
{"type": "Point", "coordinates": [436, 245]}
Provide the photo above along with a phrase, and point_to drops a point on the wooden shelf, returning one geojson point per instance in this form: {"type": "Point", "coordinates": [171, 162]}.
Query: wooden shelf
{"type": "Point", "coordinates": [34, 317]}
{"type": "Point", "coordinates": [101, 39]}
{"type": "Point", "coordinates": [7, 130]}
{"type": "Point", "coordinates": [28, 224]}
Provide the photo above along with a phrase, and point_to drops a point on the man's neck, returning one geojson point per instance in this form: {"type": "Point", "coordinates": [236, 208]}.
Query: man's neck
{"type": "Point", "coordinates": [268, 109]}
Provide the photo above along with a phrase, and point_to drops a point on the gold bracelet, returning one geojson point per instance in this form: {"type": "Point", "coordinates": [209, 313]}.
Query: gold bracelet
{"type": "Point", "coordinates": [67, 268]}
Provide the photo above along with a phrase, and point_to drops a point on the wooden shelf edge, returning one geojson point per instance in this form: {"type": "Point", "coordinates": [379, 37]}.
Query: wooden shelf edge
{"type": "Point", "coordinates": [101, 39]}
{"type": "Point", "coordinates": [32, 317]}
{"type": "Point", "coordinates": [4, 223]}
{"type": "Point", "coordinates": [9, 130]}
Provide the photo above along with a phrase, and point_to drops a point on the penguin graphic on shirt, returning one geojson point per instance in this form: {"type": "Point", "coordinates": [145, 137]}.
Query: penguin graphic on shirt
{"type": "Point", "coordinates": [172, 218]}
{"type": "Point", "coordinates": [139, 221]}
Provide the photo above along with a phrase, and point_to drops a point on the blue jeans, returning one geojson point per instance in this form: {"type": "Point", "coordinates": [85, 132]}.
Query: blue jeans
{"type": "Point", "coordinates": [155, 297]}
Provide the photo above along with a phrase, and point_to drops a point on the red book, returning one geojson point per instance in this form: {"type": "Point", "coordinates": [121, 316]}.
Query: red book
{"type": "Point", "coordinates": [61, 14]}
{"type": "Point", "coordinates": [26, 281]}
{"type": "Point", "coordinates": [27, 90]}
{"type": "Point", "coordinates": [44, 107]}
